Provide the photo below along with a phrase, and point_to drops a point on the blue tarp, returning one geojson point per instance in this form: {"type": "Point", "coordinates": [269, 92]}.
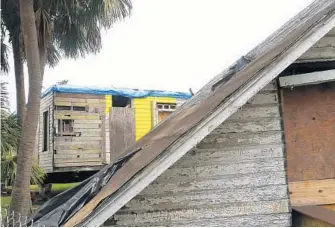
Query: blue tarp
{"type": "Point", "coordinates": [131, 93]}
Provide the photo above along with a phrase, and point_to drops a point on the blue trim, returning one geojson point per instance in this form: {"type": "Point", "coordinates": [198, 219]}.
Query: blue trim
{"type": "Point", "coordinates": [131, 93]}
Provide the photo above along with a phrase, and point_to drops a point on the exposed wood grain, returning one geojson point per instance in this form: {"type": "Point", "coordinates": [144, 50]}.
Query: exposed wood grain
{"type": "Point", "coordinates": [122, 130]}
{"type": "Point", "coordinates": [274, 220]}
{"type": "Point", "coordinates": [225, 210]}
{"type": "Point", "coordinates": [312, 192]}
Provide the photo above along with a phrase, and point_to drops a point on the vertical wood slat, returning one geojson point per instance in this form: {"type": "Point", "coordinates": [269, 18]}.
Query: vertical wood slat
{"type": "Point", "coordinates": [103, 130]}
{"type": "Point", "coordinates": [122, 130]}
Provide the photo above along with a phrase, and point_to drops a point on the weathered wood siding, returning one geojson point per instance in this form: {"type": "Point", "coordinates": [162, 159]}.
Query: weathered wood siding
{"type": "Point", "coordinates": [46, 157]}
{"type": "Point", "coordinates": [122, 131]}
{"type": "Point", "coordinates": [87, 148]}
{"type": "Point", "coordinates": [234, 177]}
{"type": "Point", "coordinates": [323, 50]}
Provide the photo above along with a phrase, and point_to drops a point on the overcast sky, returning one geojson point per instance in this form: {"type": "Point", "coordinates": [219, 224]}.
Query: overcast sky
{"type": "Point", "coordinates": [173, 44]}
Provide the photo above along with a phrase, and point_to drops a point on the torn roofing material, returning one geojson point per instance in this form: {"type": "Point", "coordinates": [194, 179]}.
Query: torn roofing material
{"type": "Point", "coordinates": [196, 118]}
{"type": "Point", "coordinates": [126, 92]}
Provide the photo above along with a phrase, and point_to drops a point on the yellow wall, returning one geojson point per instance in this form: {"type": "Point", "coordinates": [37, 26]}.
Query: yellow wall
{"type": "Point", "coordinates": [108, 100]}
{"type": "Point", "coordinates": [143, 113]}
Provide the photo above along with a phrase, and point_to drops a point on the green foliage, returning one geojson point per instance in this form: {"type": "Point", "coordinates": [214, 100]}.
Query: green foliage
{"type": "Point", "coordinates": [10, 134]}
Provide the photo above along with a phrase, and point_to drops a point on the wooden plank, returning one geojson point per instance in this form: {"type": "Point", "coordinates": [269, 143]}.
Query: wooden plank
{"type": "Point", "coordinates": [312, 192]}
{"type": "Point", "coordinates": [198, 199]}
{"type": "Point", "coordinates": [122, 130]}
{"type": "Point", "coordinates": [81, 95]}
{"type": "Point", "coordinates": [81, 104]}
{"type": "Point", "coordinates": [77, 116]}
{"type": "Point", "coordinates": [307, 79]}
{"type": "Point", "coordinates": [94, 101]}
{"type": "Point", "coordinates": [103, 133]}
{"type": "Point", "coordinates": [259, 220]}
{"type": "Point", "coordinates": [85, 164]}
{"type": "Point", "coordinates": [75, 152]}
{"type": "Point", "coordinates": [79, 156]}
{"type": "Point", "coordinates": [86, 126]}
{"type": "Point", "coordinates": [86, 133]}
{"type": "Point", "coordinates": [77, 145]}
{"type": "Point", "coordinates": [75, 160]}
{"type": "Point", "coordinates": [69, 99]}
{"type": "Point", "coordinates": [88, 121]}
{"type": "Point", "coordinates": [63, 103]}
{"type": "Point", "coordinates": [322, 216]}
{"type": "Point", "coordinates": [70, 139]}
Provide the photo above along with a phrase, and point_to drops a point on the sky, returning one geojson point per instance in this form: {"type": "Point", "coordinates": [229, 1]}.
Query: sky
{"type": "Point", "coordinates": [172, 44]}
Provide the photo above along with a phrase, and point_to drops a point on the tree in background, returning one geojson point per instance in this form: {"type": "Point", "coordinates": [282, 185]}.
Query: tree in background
{"type": "Point", "coordinates": [10, 133]}
{"type": "Point", "coordinates": [65, 28]}
{"type": "Point", "coordinates": [69, 27]}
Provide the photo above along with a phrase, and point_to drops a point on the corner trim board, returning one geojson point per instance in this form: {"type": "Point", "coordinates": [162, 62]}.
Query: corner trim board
{"type": "Point", "coordinates": [307, 79]}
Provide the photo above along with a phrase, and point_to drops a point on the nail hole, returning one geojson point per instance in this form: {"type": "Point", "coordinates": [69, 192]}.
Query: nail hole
{"type": "Point", "coordinates": [320, 191]}
{"type": "Point", "coordinates": [313, 118]}
{"type": "Point", "coordinates": [78, 156]}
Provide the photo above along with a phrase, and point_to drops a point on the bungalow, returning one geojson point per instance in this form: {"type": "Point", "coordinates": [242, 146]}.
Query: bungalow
{"type": "Point", "coordinates": [84, 128]}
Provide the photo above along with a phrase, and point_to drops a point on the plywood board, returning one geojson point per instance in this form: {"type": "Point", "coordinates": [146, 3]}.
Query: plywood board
{"type": "Point", "coordinates": [122, 130]}
{"type": "Point", "coordinates": [313, 192]}
{"type": "Point", "coordinates": [309, 120]}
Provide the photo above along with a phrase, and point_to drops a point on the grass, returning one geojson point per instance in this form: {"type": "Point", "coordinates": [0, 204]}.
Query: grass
{"type": "Point", "coordinates": [56, 189]}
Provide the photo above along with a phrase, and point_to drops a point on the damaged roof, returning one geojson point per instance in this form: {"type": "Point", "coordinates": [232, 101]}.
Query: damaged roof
{"type": "Point", "coordinates": [116, 184]}
{"type": "Point", "coordinates": [126, 92]}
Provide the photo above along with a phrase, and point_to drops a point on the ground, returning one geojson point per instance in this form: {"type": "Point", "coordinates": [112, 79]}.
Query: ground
{"type": "Point", "coordinates": [56, 189]}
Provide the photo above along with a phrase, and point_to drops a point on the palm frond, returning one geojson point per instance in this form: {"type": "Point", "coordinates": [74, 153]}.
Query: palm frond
{"type": "Point", "coordinates": [4, 97]}
{"type": "Point", "coordinates": [4, 50]}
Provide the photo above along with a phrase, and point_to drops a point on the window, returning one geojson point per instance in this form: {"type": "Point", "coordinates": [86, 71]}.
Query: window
{"type": "Point", "coordinates": [166, 107]}
{"type": "Point", "coordinates": [63, 108]}
{"type": "Point", "coordinates": [164, 110]}
{"type": "Point", "coordinates": [65, 127]}
{"type": "Point", "coordinates": [70, 108]}
{"type": "Point", "coordinates": [45, 130]}
{"type": "Point", "coordinates": [79, 108]}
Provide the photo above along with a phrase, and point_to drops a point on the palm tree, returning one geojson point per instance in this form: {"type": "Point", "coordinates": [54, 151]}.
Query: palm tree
{"type": "Point", "coordinates": [71, 27]}
{"type": "Point", "coordinates": [10, 133]}
{"type": "Point", "coordinates": [21, 190]}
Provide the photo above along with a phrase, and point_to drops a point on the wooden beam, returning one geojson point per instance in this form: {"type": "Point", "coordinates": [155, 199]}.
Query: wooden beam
{"type": "Point", "coordinates": [317, 212]}
{"type": "Point", "coordinates": [312, 192]}
{"type": "Point", "coordinates": [307, 79]}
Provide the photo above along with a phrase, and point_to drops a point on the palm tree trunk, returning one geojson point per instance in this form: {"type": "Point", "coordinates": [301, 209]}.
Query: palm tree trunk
{"type": "Point", "coordinates": [19, 81]}
{"type": "Point", "coordinates": [21, 192]}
